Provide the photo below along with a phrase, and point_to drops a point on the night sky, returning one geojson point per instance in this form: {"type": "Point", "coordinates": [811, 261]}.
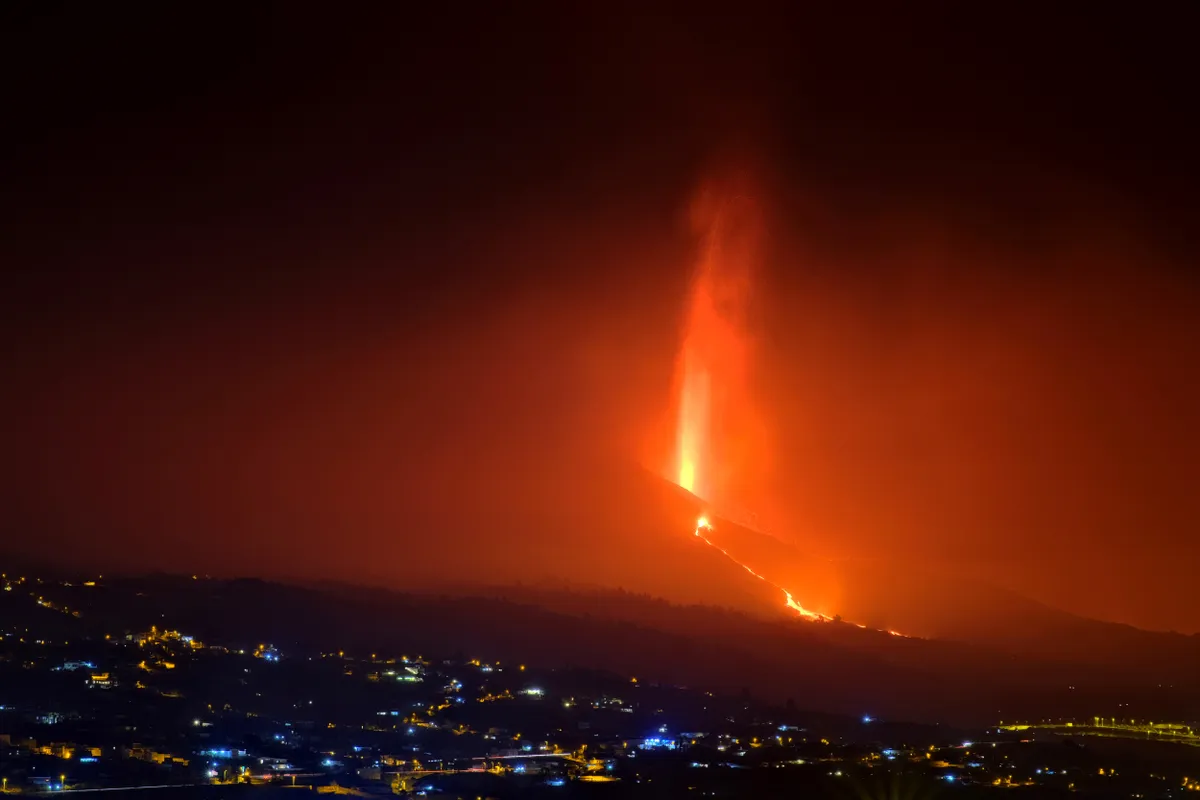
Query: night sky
{"type": "Point", "coordinates": [297, 290]}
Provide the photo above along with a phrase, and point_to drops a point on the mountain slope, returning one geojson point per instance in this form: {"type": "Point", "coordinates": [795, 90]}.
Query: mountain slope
{"type": "Point", "coordinates": [920, 600]}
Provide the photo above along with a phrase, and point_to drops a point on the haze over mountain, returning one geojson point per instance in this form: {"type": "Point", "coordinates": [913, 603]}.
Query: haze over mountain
{"type": "Point", "coordinates": [399, 299]}
{"type": "Point", "coordinates": [631, 529]}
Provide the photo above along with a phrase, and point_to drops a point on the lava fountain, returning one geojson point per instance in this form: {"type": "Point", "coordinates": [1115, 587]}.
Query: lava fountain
{"type": "Point", "coordinates": [716, 441]}
{"type": "Point", "coordinates": [693, 422]}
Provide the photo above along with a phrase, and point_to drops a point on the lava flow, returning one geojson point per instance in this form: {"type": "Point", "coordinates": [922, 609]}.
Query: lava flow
{"type": "Point", "coordinates": [720, 446]}
{"type": "Point", "coordinates": [702, 524]}
{"type": "Point", "coordinates": [715, 413]}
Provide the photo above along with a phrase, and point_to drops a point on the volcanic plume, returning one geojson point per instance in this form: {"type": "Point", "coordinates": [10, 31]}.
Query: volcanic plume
{"type": "Point", "coordinates": [721, 448]}
{"type": "Point", "coordinates": [719, 444]}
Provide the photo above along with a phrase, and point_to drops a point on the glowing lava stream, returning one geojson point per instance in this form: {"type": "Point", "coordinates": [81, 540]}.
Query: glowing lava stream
{"type": "Point", "coordinates": [703, 525]}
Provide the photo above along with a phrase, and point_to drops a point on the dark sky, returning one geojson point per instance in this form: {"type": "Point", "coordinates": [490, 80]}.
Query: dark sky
{"type": "Point", "coordinates": [297, 289]}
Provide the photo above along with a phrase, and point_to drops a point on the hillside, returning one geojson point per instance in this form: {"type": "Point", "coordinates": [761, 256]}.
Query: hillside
{"type": "Point", "coordinates": [919, 600]}
{"type": "Point", "coordinates": [832, 667]}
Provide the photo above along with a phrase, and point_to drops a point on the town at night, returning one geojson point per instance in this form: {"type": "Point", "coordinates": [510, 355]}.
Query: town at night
{"type": "Point", "coordinates": [156, 706]}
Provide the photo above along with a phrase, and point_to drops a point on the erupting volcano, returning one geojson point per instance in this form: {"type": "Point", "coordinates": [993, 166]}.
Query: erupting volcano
{"type": "Point", "coordinates": [721, 450]}
{"type": "Point", "coordinates": [717, 439]}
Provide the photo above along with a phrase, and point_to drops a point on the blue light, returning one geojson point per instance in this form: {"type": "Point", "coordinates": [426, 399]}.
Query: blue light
{"type": "Point", "coordinates": [655, 742]}
{"type": "Point", "coordinates": [949, 778]}
{"type": "Point", "coordinates": [556, 782]}
{"type": "Point", "coordinates": [867, 720]}
{"type": "Point", "coordinates": [88, 760]}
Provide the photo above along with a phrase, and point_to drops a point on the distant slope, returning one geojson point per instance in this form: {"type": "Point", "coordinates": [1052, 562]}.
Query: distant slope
{"type": "Point", "coordinates": [990, 651]}
{"type": "Point", "coordinates": [616, 527]}
{"type": "Point", "coordinates": [921, 601]}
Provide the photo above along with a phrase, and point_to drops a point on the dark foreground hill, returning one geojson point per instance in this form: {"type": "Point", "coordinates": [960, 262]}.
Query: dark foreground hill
{"type": "Point", "coordinates": [820, 666]}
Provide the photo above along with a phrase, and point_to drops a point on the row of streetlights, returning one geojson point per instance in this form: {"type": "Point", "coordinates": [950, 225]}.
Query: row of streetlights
{"type": "Point", "coordinates": [62, 783]}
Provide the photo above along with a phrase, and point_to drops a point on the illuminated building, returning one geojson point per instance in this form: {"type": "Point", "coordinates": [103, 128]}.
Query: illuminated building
{"type": "Point", "coordinates": [101, 680]}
